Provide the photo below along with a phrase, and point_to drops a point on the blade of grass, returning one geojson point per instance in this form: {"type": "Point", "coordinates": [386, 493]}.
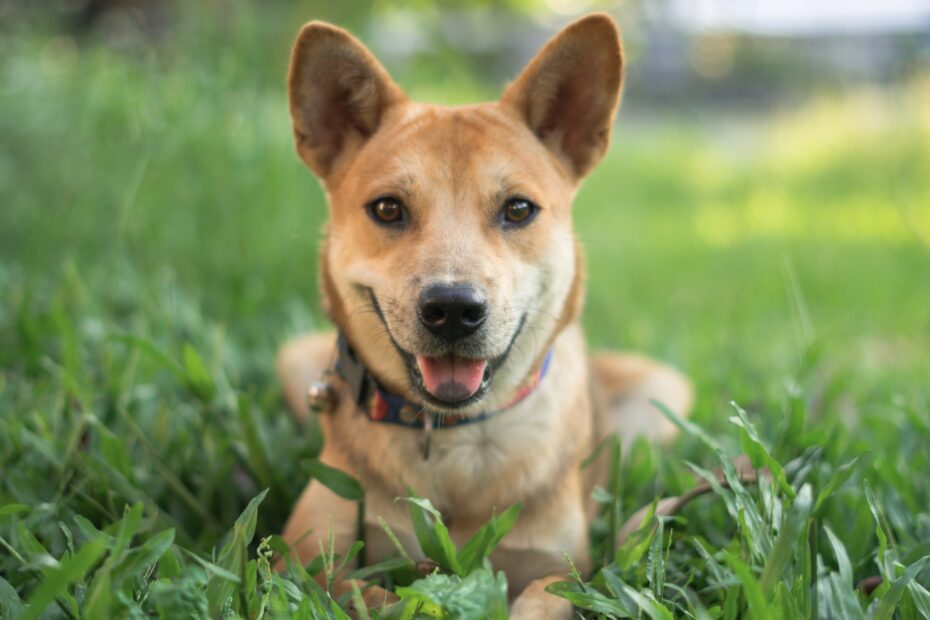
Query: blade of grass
{"type": "Point", "coordinates": [59, 579]}
{"type": "Point", "coordinates": [755, 597]}
{"type": "Point", "coordinates": [888, 602]}
{"type": "Point", "coordinates": [791, 528]}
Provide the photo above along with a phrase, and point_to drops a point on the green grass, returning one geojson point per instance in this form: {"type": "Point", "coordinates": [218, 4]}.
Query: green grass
{"type": "Point", "coordinates": [157, 243]}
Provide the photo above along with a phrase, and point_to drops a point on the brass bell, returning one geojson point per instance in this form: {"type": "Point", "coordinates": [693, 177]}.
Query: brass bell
{"type": "Point", "coordinates": [321, 397]}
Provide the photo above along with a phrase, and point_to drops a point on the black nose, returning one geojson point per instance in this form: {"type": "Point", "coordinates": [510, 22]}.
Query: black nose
{"type": "Point", "coordinates": [452, 311]}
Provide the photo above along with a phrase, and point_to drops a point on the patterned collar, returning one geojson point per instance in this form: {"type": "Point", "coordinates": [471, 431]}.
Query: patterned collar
{"type": "Point", "coordinates": [380, 405]}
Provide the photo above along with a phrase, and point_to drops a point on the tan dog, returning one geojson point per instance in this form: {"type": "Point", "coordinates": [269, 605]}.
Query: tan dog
{"type": "Point", "coordinates": [450, 267]}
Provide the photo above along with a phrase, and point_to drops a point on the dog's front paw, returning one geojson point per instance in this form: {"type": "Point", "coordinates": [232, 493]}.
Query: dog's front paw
{"type": "Point", "coordinates": [534, 603]}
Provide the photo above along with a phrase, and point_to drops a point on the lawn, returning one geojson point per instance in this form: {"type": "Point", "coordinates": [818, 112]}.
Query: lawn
{"type": "Point", "coordinates": [157, 243]}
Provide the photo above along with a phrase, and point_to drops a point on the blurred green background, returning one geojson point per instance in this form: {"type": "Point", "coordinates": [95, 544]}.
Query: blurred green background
{"type": "Point", "coordinates": [762, 220]}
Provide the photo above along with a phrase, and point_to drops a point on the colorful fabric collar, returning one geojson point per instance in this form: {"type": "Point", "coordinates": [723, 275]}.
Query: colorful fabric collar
{"type": "Point", "coordinates": [380, 405]}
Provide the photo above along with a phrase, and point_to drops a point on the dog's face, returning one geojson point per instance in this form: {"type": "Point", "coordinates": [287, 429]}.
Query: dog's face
{"type": "Point", "coordinates": [449, 259]}
{"type": "Point", "coordinates": [454, 227]}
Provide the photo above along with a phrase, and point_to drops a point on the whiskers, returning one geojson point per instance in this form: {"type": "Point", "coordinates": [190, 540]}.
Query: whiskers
{"type": "Point", "coordinates": [535, 332]}
{"type": "Point", "coordinates": [376, 332]}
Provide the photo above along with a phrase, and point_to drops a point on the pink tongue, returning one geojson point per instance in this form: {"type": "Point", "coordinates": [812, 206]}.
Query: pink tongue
{"type": "Point", "coordinates": [451, 378]}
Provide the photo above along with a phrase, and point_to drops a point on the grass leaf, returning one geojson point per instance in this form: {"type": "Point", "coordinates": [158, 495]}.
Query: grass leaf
{"type": "Point", "coordinates": [336, 480]}
{"type": "Point", "coordinates": [889, 601]}
{"type": "Point", "coordinates": [432, 534]}
{"type": "Point", "coordinates": [482, 543]}
{"type": "Point", "coordinates": [11, 606]}
{"type": "Point", "coordinates": [759, 607]}
{"type": "Point", "coordinates": [12, 509]}
{"type": "Point", "coordinates": [251, 432]}
{"type": "Point", "coordinates": [146, 555]}
{"type": "Point", "coordinates": [232, 558]}
{"type": "Point", "coordinates": [842, 558]}
{"type": "Point", "coordinates": [791, 528]}
{"type": "Point", "coordinates": [97, 601]}
{"type": "Point", "coordinates": [590, 599]}
{"type": "Point", "coordinates": [196, 375]}
{"type": "Point", "coordinates": [757, 451]}
{"type": "Point", "coordinates": [475, 597]}
{"type": "Point", "coordinates": [842, 474]}
{"type": "Point", "coordinates": [57, 580]}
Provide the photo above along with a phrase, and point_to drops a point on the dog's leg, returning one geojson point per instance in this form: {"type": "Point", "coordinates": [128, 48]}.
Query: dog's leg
{"type": "Point", "coordinates": [301, 362]}
{"type": "Point", "coordinates": [534, 603]}
{"type": "Point", "coordinates": [319, 517]}
{"type": "Point", "coordinates": [324, 523]}
{"type": "Point", "coordinates": [626, 384]}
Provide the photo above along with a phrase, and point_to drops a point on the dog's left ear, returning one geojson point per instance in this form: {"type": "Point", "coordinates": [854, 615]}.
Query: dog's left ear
{"type": "Point", "coordinates": [339, 94]}
{"type": "Point", "coordinates": [568, 94]}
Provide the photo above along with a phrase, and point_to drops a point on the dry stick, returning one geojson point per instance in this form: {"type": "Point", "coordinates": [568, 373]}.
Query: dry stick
{"type": "Point", "coordinates": [870, 584]}
{"type": "Point", "coordinates": [668, 506]}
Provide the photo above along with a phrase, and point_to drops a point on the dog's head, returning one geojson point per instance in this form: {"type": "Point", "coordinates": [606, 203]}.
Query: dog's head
{"type": "Point", "coordinates": [449, 260]}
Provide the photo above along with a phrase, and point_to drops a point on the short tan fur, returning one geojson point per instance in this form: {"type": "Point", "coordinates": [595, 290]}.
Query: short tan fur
{"type": "Point", "coordinates": [452, 170]}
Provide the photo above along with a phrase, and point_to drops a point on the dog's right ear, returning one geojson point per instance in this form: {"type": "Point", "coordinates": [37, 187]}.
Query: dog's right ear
{"type": "Point", "coordinates": [338, 95]}
{"type": "Point", "coordinates": [569, 93]}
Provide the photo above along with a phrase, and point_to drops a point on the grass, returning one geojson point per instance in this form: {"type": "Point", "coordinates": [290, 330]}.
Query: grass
{"type": "Point", "coordinates": [157, 240]}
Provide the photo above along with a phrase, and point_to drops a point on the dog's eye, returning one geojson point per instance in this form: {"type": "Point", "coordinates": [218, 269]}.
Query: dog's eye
{"type": "Point", "coordinates": [386, 210]}
{"type": "Point", "coordinates": [518, 211]}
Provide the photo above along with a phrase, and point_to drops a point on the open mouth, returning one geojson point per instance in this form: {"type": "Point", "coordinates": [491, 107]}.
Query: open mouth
{"type": "Point", "coordinates": [448, 381]}
{"type": "Point", "coordinates": [452, 378]}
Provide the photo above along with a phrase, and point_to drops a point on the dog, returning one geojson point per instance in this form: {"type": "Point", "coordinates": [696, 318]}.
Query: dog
{"type": "Point", "coordinates": [452, 275]}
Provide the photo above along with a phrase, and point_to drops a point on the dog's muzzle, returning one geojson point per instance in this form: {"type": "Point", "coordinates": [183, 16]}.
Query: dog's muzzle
{"type": "Point", "coordinates": [452, 312]}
